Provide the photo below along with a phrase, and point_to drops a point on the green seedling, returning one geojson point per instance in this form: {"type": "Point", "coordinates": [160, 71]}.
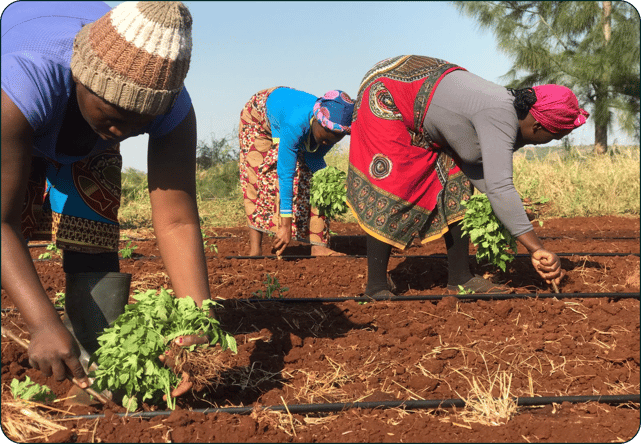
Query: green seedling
{"type": "Point", "coordinates": [328, 192]}
{"type": "Point", "coordinates": [28, 390]}
{"type": "Point", "coordinates": [273, 289]}
{"type": "Point", "coordinates": [50, 248]}
{"type": "Point", "coordinates": [493, 241]}
{"type": "Point", "coordinates": [531, 205]}
{"type": "Point", "coordinates": [127, 251]}
{"type": "Point", "coordinates": [59, 300]}
{"type": "Point", "coordinates": [206, 245]}
{"type": "Point", "coordinates": [128, 354]}
{"type": "Point", "coordinates": [462, 290]}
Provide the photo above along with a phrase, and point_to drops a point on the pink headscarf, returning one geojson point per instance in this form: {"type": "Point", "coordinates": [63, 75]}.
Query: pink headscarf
{"type": "Point", "coordinates": [557, 108]}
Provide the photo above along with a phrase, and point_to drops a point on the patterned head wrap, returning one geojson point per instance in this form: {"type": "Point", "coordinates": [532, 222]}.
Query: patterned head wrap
{"type": "Point", "coordinates": [557, 108]}
{"type": "Point", "coordinates": [136, 56]}
{"type": "Point", "coordinates": [334, 111]}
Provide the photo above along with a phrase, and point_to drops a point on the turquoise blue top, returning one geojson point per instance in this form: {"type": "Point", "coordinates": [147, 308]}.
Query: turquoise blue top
{"type": "Point", "coordinates": [289, 112]}
{"type": "Point", "coordinates": [37, 42]}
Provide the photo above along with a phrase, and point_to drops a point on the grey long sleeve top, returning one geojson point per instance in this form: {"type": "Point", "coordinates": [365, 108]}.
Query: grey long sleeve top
{"type": "Point", "coordinates": [476, 119]}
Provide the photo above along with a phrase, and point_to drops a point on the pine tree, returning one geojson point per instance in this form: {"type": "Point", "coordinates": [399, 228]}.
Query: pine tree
{"type": "Point", "coordinates": [590, 47]}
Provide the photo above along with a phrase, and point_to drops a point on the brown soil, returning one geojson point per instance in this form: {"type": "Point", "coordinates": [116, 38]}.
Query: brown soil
{"type": "Point", "coordinates": [335, 352]}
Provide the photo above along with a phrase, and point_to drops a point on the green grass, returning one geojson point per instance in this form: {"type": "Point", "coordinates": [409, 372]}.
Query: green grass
{"type": "Point", "coordinates": [579, 183]}
{"type": "Point", "coordinates": [576, 182]}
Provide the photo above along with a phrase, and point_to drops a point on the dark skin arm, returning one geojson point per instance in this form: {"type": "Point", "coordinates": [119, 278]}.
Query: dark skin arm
{"type": "Point", "coordinates": [283, 235]}
{"type": "Point", "coordinates": [172, 188]}
{"type": "Point", "coordinates": [545, 262]}
{"type": "Point", "coordinates": [52, 348]}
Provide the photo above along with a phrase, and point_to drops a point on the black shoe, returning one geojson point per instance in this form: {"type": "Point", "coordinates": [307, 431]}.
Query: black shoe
{"type": "Point", "coordinates": [479, 285]}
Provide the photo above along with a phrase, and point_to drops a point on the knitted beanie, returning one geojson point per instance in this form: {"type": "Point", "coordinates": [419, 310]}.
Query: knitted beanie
{"type": "Point", "coordinates": [136, 56]}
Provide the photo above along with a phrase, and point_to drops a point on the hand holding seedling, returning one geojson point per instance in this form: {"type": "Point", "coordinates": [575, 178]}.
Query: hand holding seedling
{"type": "Point", "coordinates": [548, 265]}
{"type": "Point", "coordinates": [283, 235]}
{"type": "Point", "coordinates": [168, 359]}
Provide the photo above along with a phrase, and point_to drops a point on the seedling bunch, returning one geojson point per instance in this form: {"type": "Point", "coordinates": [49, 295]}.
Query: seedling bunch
{"type": "Point", "coordinates": [329, 192]}
{"type": "Point", "coordinates": [128, 354]}
{"type": "Point", "coordinates": [493, 241]}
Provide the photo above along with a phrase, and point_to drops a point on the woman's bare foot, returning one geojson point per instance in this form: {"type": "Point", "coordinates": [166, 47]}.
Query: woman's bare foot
{"type": "Point", "coordinates": [318, 250]}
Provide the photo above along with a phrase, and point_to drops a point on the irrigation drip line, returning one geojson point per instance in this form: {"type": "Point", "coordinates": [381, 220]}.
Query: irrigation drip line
{"type": "Point", "coordinates": [137, 258]}
{"type": "Point", "coordinates": [369, 405]}
{"type": "Point", "coordinates": [362, 236]}
{"type": "Point", "coordinates": [436, 297]}
{"type": "Point", "coordinates": [431, 256]}
{"type": "Point", "coordinates": [137, 239]}
{"type": "Point", "coordinates": [425, 297]}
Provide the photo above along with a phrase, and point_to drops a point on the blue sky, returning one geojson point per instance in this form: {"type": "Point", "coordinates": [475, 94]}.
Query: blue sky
{"type": "Point", "coordinates": [242, 47]}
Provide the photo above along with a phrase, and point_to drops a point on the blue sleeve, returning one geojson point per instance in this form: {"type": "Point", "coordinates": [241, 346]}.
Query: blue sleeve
{"type": "Point", "coordinates": [291, 137]}
{"type": "Point", "coordinates": [164, 124]}
{"type": "Point", "coordinates": [35, 85]}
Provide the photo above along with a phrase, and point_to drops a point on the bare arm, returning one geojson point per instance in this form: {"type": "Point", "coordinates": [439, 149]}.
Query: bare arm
{"type": "Point", "coordinates": [172, 188]}
{"type": "Point", "coordinates": [52, 347]}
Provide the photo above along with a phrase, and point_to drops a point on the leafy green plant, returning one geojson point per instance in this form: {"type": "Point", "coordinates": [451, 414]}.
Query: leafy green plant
{"type": "Point", "coordinates": [273, 288]}
{"type": "Point", "coordinates": [50, 248]}
{"type": "Point", "coordinates": [127, 251]}
{"type": "Point", "coordinates": [328, 192]}
{"type": "Point", "coordinates": [493, 241]}
{"type": "Point", "coordinates": [31, 391]}
{"type": "Point", "coordinates": [128, 354]}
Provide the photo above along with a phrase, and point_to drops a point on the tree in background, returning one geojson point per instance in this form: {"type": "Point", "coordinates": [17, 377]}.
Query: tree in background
{"type": "Point", "coordinates": [590, 47]}
{"type": "Point", "coordinates": [216, 152]}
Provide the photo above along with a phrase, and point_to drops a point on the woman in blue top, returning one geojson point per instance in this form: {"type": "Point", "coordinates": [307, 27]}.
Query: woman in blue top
{"type": "Point", "coordinates": [77, 79]}
{"type": "Point", "coordinates": [284, 135]}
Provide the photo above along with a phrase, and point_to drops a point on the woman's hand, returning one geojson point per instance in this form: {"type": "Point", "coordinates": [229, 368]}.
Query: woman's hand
{"type": "Point", "coordinates": [548, 265]}
{"type": "Point", "coordinates": [283, 235]}
{"type": "Point", "coordinates": [168, 359]}
{"type": "Point", "coordinates": [53, 350]}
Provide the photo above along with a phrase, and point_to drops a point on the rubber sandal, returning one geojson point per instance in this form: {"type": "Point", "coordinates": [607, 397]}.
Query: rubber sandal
{"type": "Point", "coordinates": [380, 294]}
{"type": "Point", "coordinates": [479, 285]}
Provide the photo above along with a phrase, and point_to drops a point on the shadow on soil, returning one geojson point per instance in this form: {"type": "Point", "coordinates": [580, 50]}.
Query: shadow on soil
{"type": "Point", "coordinates": [286, 331]}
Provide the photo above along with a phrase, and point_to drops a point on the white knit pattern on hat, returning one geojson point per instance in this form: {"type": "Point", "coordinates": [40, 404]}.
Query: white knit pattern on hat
{"type": "Point", "coordinates": [166, 42]}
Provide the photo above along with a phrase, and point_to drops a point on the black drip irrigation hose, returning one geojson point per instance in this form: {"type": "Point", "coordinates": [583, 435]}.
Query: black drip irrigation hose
{"type": "Point", "coordinates": [137, 258]}
{"type": "Point", "coordinates": [136, 239]}
{"type": "Point", "coordinates": [368, 405]}
{"type": "Point", "coordinates": [425, 297]}
{"type": "Point", "coordinates": [436, 297]}
{"type": "Point", "coordinates": [430, 256]}
{"type": "Point", "coordinates": [362, 236]}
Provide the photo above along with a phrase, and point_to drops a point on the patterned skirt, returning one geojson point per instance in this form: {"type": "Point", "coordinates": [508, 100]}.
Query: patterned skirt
{"type": "Point", "coordinates": [75, 206]}
{"type": "Point", "coordinates": [259, 179]}
{"type": "Point", "coordinates": [399, 184]}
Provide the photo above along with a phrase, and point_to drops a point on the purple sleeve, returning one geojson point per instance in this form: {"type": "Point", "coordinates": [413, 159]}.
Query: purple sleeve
{"type": "Point", "coordinates": [35, 85]}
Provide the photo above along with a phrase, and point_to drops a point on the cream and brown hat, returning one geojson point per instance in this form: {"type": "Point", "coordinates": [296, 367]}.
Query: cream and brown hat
{"type": "Point", "coordinates": [136, 56]}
